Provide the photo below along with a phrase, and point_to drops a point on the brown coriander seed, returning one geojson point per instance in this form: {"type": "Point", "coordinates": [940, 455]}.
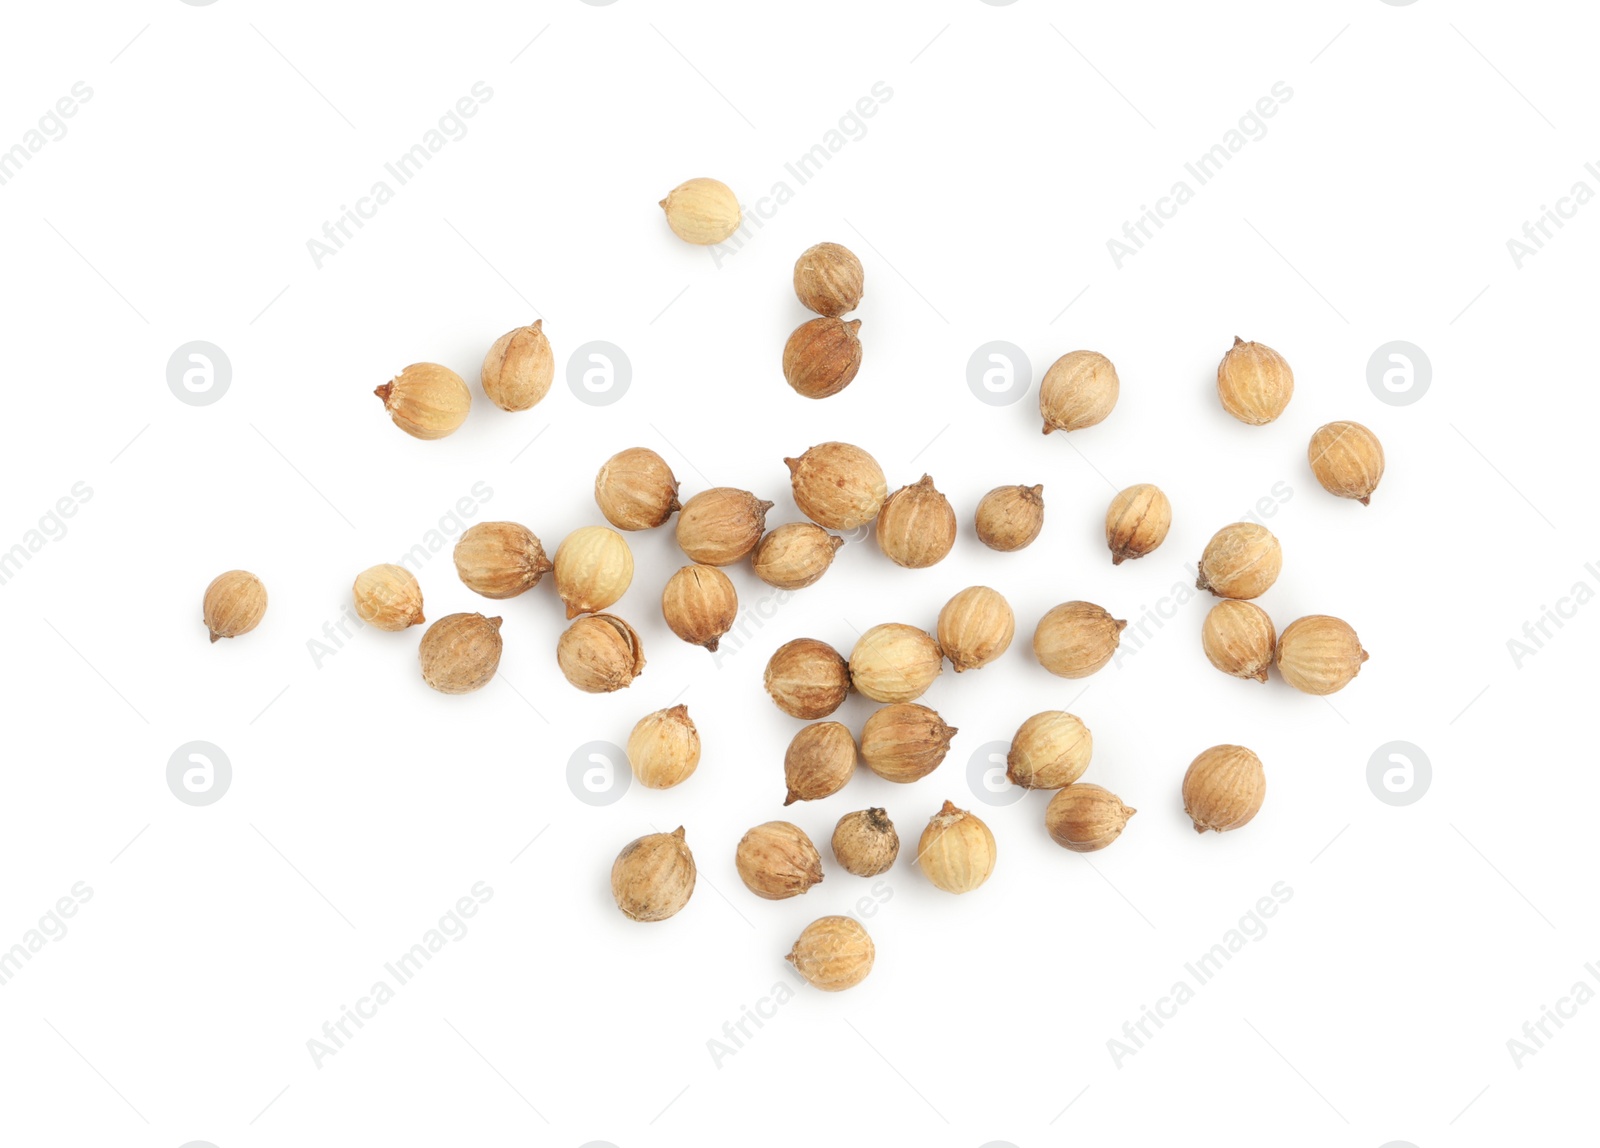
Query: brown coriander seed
{"type": "Point", "coordinates": [518, 368]}
{"type": "Point", "coordinates": [957, 851]}
{"type": "Point", "coordinates": [822, 356]}
{"type": "Point", "coordinates": [894, 662]}
{"type": "Point", "coordinates": [702, 211]}
{"type": "Point", "coordinates": [975, 627]}
{"type": "Point", "coordinates": [664, 748]}
{"type": "Point", "coordinates": [916, 525]}
{"type": "Point", "coordinates": [1239, 639]}
{"type": "Point", "coordinates": [600, 653]}
{"type": "Point", "coordinates": [1079, 390]}
{"type": "Point", "coordinates": [234, 604]}
{"type": "Point", "coordinates": [1347, 460]}
{"type": "Point", "coordinates": [1010, 517]}
{"type": "Point", "coordinates": [837, 486]}
{"type": "Point", "coordinates": [1224, 788]}
{"type": "Point", "coordinates": [1254, 382]}
{"type": "Point", "coordinates": [500, 559]}
{"type": "Point", "coordinates": [1075, 639]}
{"type": "Point", "coordinates": [460, 653]}
{"type": "Point", "coordinates": [1137, 522]}
{"type": "Point", "coordinates": [426, 401]}
{"type": "Point", "coordinates": [833, 953]}
{"type": "Point", "coordinates": [700, 605]}
{"type": "Point", "coordinates": [865, 843]}
{"type": "Point", "coordinates": [905, 742]}
{"type": "Point", "coordinates": [1085, 817]}
{"type": "Point", "coordinates": [776, 860]}
{"type": "Point", "coordinates": [807, 679]}
{"type": "Point", "coordinates": [388, 597]}
{"type": "Point", "coordinates": [653, 877]}
{"type": "Point", "coordinates": [794, 555]}
{"type": "Point", "coordinates": [721, 526]}
{"type": "Point", "coordinates": [593, 568]}
{"type": "Point", "coordinates": [828, 279]}
{"type": "Point", "coordinates": [1050, 750]}
{"type": "Point", "coordinates": [1319, 654]}
{"type": "Point", "coordinates": [820, 761]}
{"type": "Point", "coordinates": [1241, 561]}
{"type": "Point", "coordinates": [636, 489]}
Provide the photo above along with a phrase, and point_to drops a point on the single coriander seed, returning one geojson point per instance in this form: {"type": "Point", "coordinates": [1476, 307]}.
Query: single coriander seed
{"type": "Point", "coordinates": [1010, 517]}
{"type": "Point", "coordinates": [865, 843]}
{"type": "Point", "coordinates": [1085, 817]}
{"type": "Point", "coordinates": [776, 860]}
{"type": "Point", "coordinates": [828, 279]}
{"type": "Point", "coordinates": [1347, 459]}
{"type": "Point", "coordinates": [593, 568]}
{"type": "Point", "coordinates": [822, 356]}
{"type": "Point", "coordinates": [1224, 788]}
{"type": "Point", "coordinates": [833, 954]}
{"type": "Point", "coordinates": [234, 604]}
{"type": "Point", "coordinates": [837, 486]}
{"type": "Point", "coordinates": [957, 851]}
{"type": "Point", "coordinates": [518, 368]}
{"type": "Point", "coordinates": [460, 653]}
{"type": "Point", "coordinates": [664, 748]}
{"type": "Point", "coordinates": [807, 679]}
{"type": "Point", "coordinates": [1238, 639]}
{"type": "Point", "coordinates": [794, 555]}
{"type": "Point", "coordinates": [600, 653]}
{"type": "Point", "coordinates": [700, 605]}
{"type": "Point", "coordinates": [636, 489]}
{"type": "Point", "coordinates": [1319, 655]}
{"type": "Point", "coordinates": [702, 211]}
{"type": "Point", "coordinates": [916, 525]}
{"type": "Point", "coordinates": [820, 761]}
{"type": "Point", "coordinates": [500, 559]}
{"type": "Point", "coordinates": [1050, 750]}
{"type": "Point", "coordinates": [975, 627]}
{"type": "Point", "coordinates": [426, 401]}
{"type": "Point", "coordinates": [1254, 382]}
{"type": "Point", "coordinates": [1137, 522]}
{"type": "Point", "coordinates": [653, 877]}
{"type": "Point", "coordinates": [1079, 390]}
{"type": "Point", "coordinates": [1075, 639]}
{"type": "Point", "coordinates": [721, 526]}
{"type": "Point", "coordinates": [905, 742]}
{"type": "Point", "coordinates": [1241, 561]}
{"type": "Point", "coordinates": [894, 662]}
{"type": "Point", "coordinates": [388, 597]}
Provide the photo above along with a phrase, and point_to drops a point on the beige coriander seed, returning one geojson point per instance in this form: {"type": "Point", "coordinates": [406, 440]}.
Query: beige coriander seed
{"type": "Point", "coordinates": [1010, 517]}
{"type": "Point", "coordinates": [1347, 459]}
{"type": "Point", "coordinates": [653, 877]}
{"type": "Point", "coordinates": [1079, 390]}
{"type": "Point", "coordinates": [426, 401]}
{"type": "Point", "coordinates": [837, 486]}
{"type": "Point", "coordinates": [807, 679]}
{"type": "Point", "coordinates": [234, 604]}
{"type": "Point", "coordinates": [1137, 522]}
{"type": "Point", "coordinates": [822, 356]}
{"type": "Point", "coordinates": [1075, 639]}
{"type": "Point", "coordinates": [388, 597]}
{"type": "Point", "coordinates": [828, 279]}
{"type": "Point", "coordinates": [500, 559]}
{"type": "Point", "coordinates": [794, 555]}
{"type": "Point", "coordinates": [1239, 639]}
{"type": "Point", "coordinates": [975, 627]}
{"type": "Point", "coordinates": [1254, 382]}
{"type": "Point", "coordinates": [833, 954]}
{"type": "Point", "coordinates": [636, 489]}
{"type": "Point", "coordinates": [894, 662]}
{"type": "Point", "coordinates": [865, 843]}
{"type": "Point", "coordinates": [820, 761]}
{"type": "Point", "coordinates": [776, 860]}
{"type": "Point", "coordinates": [702, 211]}
{"type": "Point", "coordinates": [700, 605]}
{"type": "Point", "coordinates": [957, 851]}
{"type": "Point", "coordinates": [1241, 561]}
{"type": "Point", "coordinates": [916, 525]}
{"type": "Point", "coordinates": [1050, 750]}
{"type": "Point", "coordinates": [1085, 818]}
{"type": "Point", "coordinates": [1318, 654]}
{"type": "Point", "coordinates": [905, 742]}
{"type": "Point", "coordinates": [664, 748]}
{"type": "Point", "coordinates": [460, 653]}
{"type": "Point", "coordinates": [600, 653]}
{"type": "Point", "coordinates": [1224, 788]}
{"type": "Point", "coordinates": [518, 368]}
{"type": "Point", "coordinates": [721, 526]}
{"type": "Point", "coordinates": [593, 568]}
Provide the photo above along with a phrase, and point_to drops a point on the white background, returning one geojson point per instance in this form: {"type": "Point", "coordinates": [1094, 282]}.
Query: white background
{"type": "Point", "coordinates": [218, 940]}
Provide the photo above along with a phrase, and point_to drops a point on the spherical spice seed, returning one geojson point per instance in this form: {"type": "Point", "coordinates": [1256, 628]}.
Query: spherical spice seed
{"type": "Point", "coordinates": [1075, 639]}
{"type": "Point", "coordinates": [1254, 382]}
{"type": "Point", "coordinates": [518, 368]}
{"type": "Point", "coordinates": [664, 748]}
{"type": "Point", "coordinates": [794, 555]}
{"type": "Point", "coordinates": [388, 597]}
{"type": "Point", "coordinates": [776, 860]}
{"type": "Point", "coordinates": [653, 877]}
{"type": "Point", "coordinates": [865, 843]}
{"type": "Point", "coordinates": [905, 742]}
{"type": "Point", "coordinates": [820, 761]}
{"type": "Point", "coordinates": [838, 486]}
{"type": "Point", "coordinates": [1238, 639]}
{"type": "Point", "coordinates": [426, 401]}
{"type": "Point", "coordinates": [957, 851]}
{"type": "Point", "coordinates": [460, 653]}
{"type": "Point", "coordinates": [700, 605]}
{"type": "Point", "coordinates": [593, 568]}
{"type": "Point", "coordinates": [894, 662]}
{"type": "Point", "coordinates": [975, 627]}
{"type": "Point", "coordinates": [833, 954]}
{"type": "Point", "coordinates": [721, 526]}
{"type": "Point", "coordinates": [1347, 460]}
{"type": "Point", "coordinates": [1085, 818]}
{"type": "Point", "coordinates": [234, 604]}
{"type": "Point", "coordinates": [1224, 788]}
{"type": "Point", "coordinates": [1319, 655]}
{"type": "Point", "coordinates": [828, 279]}
{"type": "Point", "coordinates": [1010, 517]}
{"type": "Point", "coordinates": [916, 525]}
{"type": "Point", "coordinates": [636, 489]}
{"type": "Point", "coordinates": [1137, 522]}
{"type": "Point", "coordinates": [1079, 390]}
{"type": "Point", "coordinates": [1241, 561]}
{"type": "Point", "coordinates": [600, 653]}
{"type": "Point", "coordinates": [702, 211]}
{"type": "Point", "coordinates": [500, 559]}
{"type": "Point", "coordinates": [1049, 751]}
{"type": "Point", "coordinates": [822, 356]}
{"type": "Point", "coordinates": [807, 679]}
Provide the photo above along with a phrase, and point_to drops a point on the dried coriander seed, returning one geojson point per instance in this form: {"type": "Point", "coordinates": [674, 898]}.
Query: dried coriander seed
{"type": "Point", "coordinates": [1238, 639]}
{"type": "Point", "coordinates": [976, 627]}
{"type": "Point", "coordinates": [500, 559]}
{"type": "Point", "coordinates": [1010, 517]}
{"type": "Point", "coordinates": [1079, 390]}
{"type": "Point", "coordinates": [1075, 639]}
{"type": "Point", "coordinates": [388, 597]}
{"type": "Point", "coordinates": [916, 525]}
{"type": "Point", "coordinates": [1347, 459]}
{"type": "Point", "coordinates": [822, 356]}
{"type": "Point", "coordinates": [1254, 382]}
{"type": "Point", "coordinates": [1050, 750]}
{"type": "Point", "coordinates": [828, 279]}
{"type": "Point", "coordinates": [664, 748]}
{"type": "Point", "coordinates": [1085, 818]}
{"type": "Point", "coordinates": [721, 526]}
{"type": "Point", "coordinates": [1319, 655]}
{"type": "Point", "coordinates": [460, 653]}
{"type": "Point", "coordinates": [600, 653]}
{"type": "Point", "coordinates": [1137, 522]}
{"type": "Point", "coordinates": [905, 742]}
{"type": "Point", "coordinates": [702, 211]}
{"type": "Point", "coordinates": [593, 568]}
{"type": "Point", "coordinates": [1241, 561]}
{"type": "Point", "coordinates": [865, 843]}
{"type": "Point", "coordinates": [636, 489]}
{"type": "Point", "coordinates": [837, 486]}
{"type": "Point", "coordinates": [426, 401]}
{"type": "Point", "coordinates": [700, 605]}
{"type": "Point", "coordinates": [807, 679]}
{"type": "Point", "coordinates": [957, 851]}
{"type": "Point", "coordinates": [518, 368]}
{"type": "Point", "coordinates": [234, 604]}
{"type": "Point", "coordinates": [794, 555]}
{"type": "Point", "coordinates": [833, 953]}
{"type": "Point", "coordinates": [1224, 788]}
{"type": "Point", "coordinates": [894, 662]}
{"type": "Point", "coordinates": [776, 860]}
{"type": "Point", "coordinates": [820, 761]}
{"type": "Point", "coordinates": [653, 877]}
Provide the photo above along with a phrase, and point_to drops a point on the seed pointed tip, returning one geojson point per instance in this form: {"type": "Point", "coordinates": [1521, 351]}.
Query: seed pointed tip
{"type": "Point", "coordinates": [663, 204]}
{"type": "Point", "coordinates": [789, 956]}
{"type": "Point", "coordinates": [495, 621]}
{"type": "Point", "coordinates": [1366, 501]}
{"type": "Point", "coordinates": [712, 644]}
{"type": "Point", "coordinates": [1365, 655]}
{"type": "Point", "coordinates": [1237, 341]}
{"type": "Point", "coordinates": [678, 833]}
{"type": "Point", "coordinates": [792, 463]}
{"type": "Point", "coordinates": [536, 325]}
{"type": "Point", "coordinates": [791, 798]}
{"type": "Point", "coordinates": [1038, 490]}
{"type": "Point", "coordinates": [214, 636]}
{"type": "Point", "coordinates": [854, 325]}
{"type": "Point", "coordinates": [1122, 624]}
{"type": "Point", "coordinates": [1048, 428]}
{"type": "Point", "coordinates": [385, 391]}
{"type": "Point", "coordinates": [1198, 828]}
{"type": "Point", "coordinates": [1260, 675]}
{"type": "Point", "coordinates": [1116, 558]}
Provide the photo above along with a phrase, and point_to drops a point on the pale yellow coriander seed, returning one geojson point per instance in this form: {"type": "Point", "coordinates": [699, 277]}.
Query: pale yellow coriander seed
{"type": "Point", "coordinates": [957, 851]}
{"type": "Point", "coordinates": [1347, 459]}
{"type": "Point", "coordinates": [1241, 561]}
{"type": "Point", "coordinates": [1224, 788]}
{"type": "Point", "coordinates": [460, 653]}
{"type": "Point", "coordinates": [916, 525]}
{"type": "Point", "coordinates": [721, 526]}
{"type": "Point", "coordinates": [1318, 654]}
{"type": "Point", "coordinates": [894, 662]}
{"type": "Point", "coordinates": [593, 568]}
{"type": "Point", "coordinates": [794, 555]}
{"type": "Point", "coordinates": [776, 860]}
{"type": "Point", "coordinates": [1239, 639]}
{"type": "Point", "coordinates": [837, 486]}
{"type": "Point", "coordinates": [905, 742]}
{"type": "Point", "coordinates": [975, 627]}
{"type": "Point", "coordinates": [653, 877]}
{"type": "Point", "coordinates": [1010, 517]}
{"type": "Point", "coordinates": [822, 356]}
{"type": "Point", "coordinates": [388, 597]}
{"type": "Point", "coordinates": [1085, 817]}
{"type": "Point", "coordinates": [664, 748]}
{"type": "Point", "coordinates": [1075, 639]}
{"type": "Point", "coordinates": [500, 559]}
{"type": "Point", "coordinates": [1079, 390]}
{"type": "Point", "coordinates": [1254, 382]}
{"type": "Point", "coordinates": [702, 211]}
{"type": "Point", "coordinates": [234, 604]}
{"type": "Point", "coordinates": [833, 954]}
{"type": "Point", "coordinates": [1050, 750]}
{"type": "Point", "coordinates": [600, 653]}
{"type": "Point", "coordinates": [820, 760]}
{"type": "Point", "coordinates": [426, 400]}
{"type": "Point", "coordinates": [518, 368]}
{"type": "Point", "coordinates": [700, 605]}
{"type": "Point", "coordinates": [807, 679]}
{"type": "Point", "coordinates": [828, 279]}
{"type": "Point", "coordinates": [636, 489]}
{"type": "Point", "coordinates": [865, 843]}
{"type": "Point", "coordinates": [1137, 522]}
